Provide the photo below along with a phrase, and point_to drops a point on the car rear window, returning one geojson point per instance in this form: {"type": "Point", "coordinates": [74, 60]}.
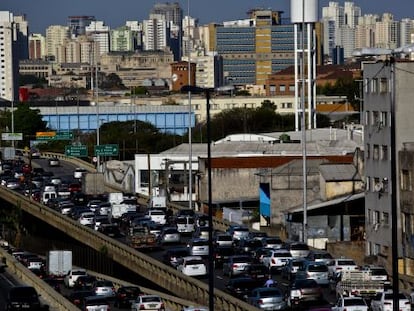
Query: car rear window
{"type": "Point", "coordinates": [346, 263]}
{"type": "Point", "coordinates": [354, 302]}
{"type": "Point", "coordinates": [224, 238]}
{"type": "Point", "coordinates": [317, 268]}
{"type": "Point", "coordinates": [282, 254]}
{"type": "Point", "coordinates": [299, 247]}
{"type": "Point", "coordinates": [270, 293]}
{"type": "Point", "coordinates": [151, 299]}
{"type": "Point", "coordinates": [378, 272]}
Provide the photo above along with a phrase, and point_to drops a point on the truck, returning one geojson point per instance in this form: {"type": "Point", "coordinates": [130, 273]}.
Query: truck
{"type": "Point", "coordinates": [140, 237]}
{"type": "Point", "coordinates": [59, 263]}
{"type": "Point", "coordinates": [158, 202]}
{"type": "Point", "coordinates": [125, 206]}
{"type": "Point", "coordinates": [92, 183]}
{"type": "Point", "coordinates": [356, 283]}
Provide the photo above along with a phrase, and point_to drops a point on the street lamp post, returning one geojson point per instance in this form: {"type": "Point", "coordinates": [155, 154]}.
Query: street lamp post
{"type": "Point", "coordinates": [211, 275]}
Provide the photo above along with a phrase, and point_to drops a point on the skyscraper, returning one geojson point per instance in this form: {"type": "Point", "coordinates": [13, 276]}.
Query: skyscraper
{"type": "Point", "coordinates": [55, 39]}
{"type": "Point", "coordinates": [77, 24]}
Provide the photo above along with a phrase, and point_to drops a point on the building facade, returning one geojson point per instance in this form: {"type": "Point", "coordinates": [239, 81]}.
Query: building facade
{"type": "Point", "coordinates": [387, 87]}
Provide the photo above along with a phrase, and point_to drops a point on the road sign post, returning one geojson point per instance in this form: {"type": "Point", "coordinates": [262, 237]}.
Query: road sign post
{"type": "Point", "coordinates": [79, 151]}
{"type": "Point", "coordinates": [110, 150]}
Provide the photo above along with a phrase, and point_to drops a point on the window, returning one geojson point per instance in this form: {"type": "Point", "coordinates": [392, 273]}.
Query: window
{"type": "Point", "coordinates": [374, 85]}
{"type": "Point", "coordinates": [375, 118]}
{"type": "Point", "coordinates": [369, 216]}
{"type": "Point", "coordinates": [377, 248]}
{"type": "Point", "coordinates": [406, 180]}
{"type": "Point", "coordinates": [375, 217]}
{"type": "Point", "coordinates": [367, 183]}
{"type": "Point", "coordinates": [282, 88]}
{"type": "Point", "coordinates": [385, 218]}
{"type": "Point", "coordinates": [375, 155]}
{"type": "Point", "coordinates": [366, 84]}
{"type": "Point", "coordinates": [383, 85]}
{"type": "Point", "coordinates": [384, 152]}
{"type": "Point", "coordinates": [384, 118]}
{"type": "Point", "coordinates": [291, 87]}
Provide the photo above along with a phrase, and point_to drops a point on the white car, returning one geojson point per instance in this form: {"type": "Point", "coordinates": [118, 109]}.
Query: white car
{"type": "Point", "coordinates": [148, 302]}
{"type": "Point", "coordinates": [157, 216]}
{"type": "Point", "coordinates": [277, 259]}
{"type": "Point", "coordinates": [87, 219]}
{"type": "Point", "coordinates": [192, 266]}
{"type": "Point", "coordinates": [341, 264]}
{"type": "Point", "coordinates": [72, 276]}
{"type": "Point", "coordinates": [384, 302]}
{"type": "Point", "coordinates": [350, 304]}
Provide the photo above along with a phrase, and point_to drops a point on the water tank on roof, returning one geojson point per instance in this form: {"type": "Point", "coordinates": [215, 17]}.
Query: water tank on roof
{"type": "Point", "coordinates": [308, 15]}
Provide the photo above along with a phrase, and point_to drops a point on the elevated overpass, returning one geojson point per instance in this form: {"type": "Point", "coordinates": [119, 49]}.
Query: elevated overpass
{"type": "Point", "coordinates": [170, 279]}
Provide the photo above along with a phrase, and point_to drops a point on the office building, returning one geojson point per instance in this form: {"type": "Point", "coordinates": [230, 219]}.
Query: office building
{"type": "Point", "coordinates": [255, 47]}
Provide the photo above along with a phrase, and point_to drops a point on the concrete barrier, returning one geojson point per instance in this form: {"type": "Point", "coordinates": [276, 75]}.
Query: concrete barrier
{"type": "Point", "coordinates": [144, 265]}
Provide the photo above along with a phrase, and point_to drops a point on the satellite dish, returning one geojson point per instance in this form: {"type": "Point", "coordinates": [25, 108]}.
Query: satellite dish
{"type": "Point", "coordinates": [174, 77]}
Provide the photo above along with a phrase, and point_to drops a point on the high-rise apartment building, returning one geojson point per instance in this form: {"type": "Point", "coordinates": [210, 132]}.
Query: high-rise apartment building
{"type": "Point", "coordinates": [13, 38]}
{"type": "Point", "coordinates": [406, 31]}
{"type": "Point", "coordinates": [254, 48]}
{"type": "Point", "coordinates": [77, 24]}
{"type": "Point", "coordinates": [37, 46]}
{"type": "Point", "coordinates": [339, 26]}
{"type": "Point", "coordinates": [387, 32]}
{"type": "Point", "coordinates": [99, 33]}
{"type": "Point", "coordinates": [365, 31]}
{"type": "Point", "coordinates": [156, 34]}
{"type": "Point", "coordinates": [56, 35]}
{"type": "Point", "coordinates": [173, 15]}
{"type": "Point", "coordinates": [122, 40]}
{"type": "Point", "coordinates": [136, 28]}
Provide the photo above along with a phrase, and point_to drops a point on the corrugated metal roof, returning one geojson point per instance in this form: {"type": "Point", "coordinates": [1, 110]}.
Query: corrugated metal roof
{"type": "Point", "coordinates": [339, 172]}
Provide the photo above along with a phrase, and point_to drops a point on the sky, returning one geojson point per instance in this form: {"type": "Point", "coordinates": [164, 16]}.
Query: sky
{"type": "Point", "coordinates": [42, 13]}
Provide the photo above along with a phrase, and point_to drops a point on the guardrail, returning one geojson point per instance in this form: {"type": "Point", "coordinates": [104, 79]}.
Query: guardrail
{"type": "Point", "coordinates": [144, 265]}
{"type": "Point", "coordinates": [58, 302]}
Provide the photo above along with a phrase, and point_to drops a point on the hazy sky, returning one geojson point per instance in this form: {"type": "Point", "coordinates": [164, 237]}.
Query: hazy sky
{"type": "Point", "coordinates": [42, 13]}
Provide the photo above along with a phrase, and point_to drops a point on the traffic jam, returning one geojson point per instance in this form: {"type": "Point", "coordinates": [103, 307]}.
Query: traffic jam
{"type": "Point", "coordinates": [262, 270]}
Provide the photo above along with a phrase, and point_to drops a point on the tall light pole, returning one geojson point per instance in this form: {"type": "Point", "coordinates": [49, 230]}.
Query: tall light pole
{"type": "Point", "coordinates": [211, 275]}
{"type": "Point", "coordinates": [190, 147]}
{"type": "Point", "coordinates": [12, 120]}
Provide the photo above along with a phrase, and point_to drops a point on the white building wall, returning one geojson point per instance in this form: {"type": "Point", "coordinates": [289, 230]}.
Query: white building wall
{"type": "Point", "coordinates": [7, 77]}
{"type": "Point", "coordinates": [55, 37]}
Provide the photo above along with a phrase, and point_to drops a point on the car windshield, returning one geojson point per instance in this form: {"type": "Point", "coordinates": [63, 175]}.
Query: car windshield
{"type": "Point", "coordinates": [346, 263]}
{"type": "Point", "coordinates": [299, 247]}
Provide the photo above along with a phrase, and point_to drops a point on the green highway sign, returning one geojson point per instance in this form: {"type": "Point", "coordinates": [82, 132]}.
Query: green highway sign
{"type": "Point", "coordinates": [63, 136]}
{"type": "Point", "coordinates": [76, 151]}
{"type": "Point", "coordinates": [107, 150]}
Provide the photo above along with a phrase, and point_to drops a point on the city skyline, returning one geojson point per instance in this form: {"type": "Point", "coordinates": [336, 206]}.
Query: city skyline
{"type": "Point", "coordinates": [43, 13]}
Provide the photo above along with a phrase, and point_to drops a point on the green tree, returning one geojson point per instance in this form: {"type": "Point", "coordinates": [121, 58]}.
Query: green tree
{"type": "Point", "coordinates": [26, 121]}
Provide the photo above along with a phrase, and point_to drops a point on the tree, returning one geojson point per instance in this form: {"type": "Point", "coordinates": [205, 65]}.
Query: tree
{"type": "Point", "coordinates": [26, 121]}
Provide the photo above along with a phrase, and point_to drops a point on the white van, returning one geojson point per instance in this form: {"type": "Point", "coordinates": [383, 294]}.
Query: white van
{"type": "Point", "coordinates": [47, 195]}
{"type": "Point", "coordinates": [185, 224]}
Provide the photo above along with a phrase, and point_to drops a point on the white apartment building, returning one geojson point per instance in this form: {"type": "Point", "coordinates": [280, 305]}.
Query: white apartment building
{"type": "Point", "coordinates": [387, 32]}
{"type": "Point", "coordinates": [56, 35]}
{"type": "Point", "coordinates": [365, 31]}
{"type": "Point", "coordinates": [8, 57]}
{"type": "Point", "coordinates": [99, 33]}
{"type": "Point", "coordinates": [155, 33]}
{"type": "Point", "coordinates": [406, 31]}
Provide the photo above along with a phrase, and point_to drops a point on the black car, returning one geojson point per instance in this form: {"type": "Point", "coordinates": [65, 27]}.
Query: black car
{"type": "Point", "coordinates": [84, 282]}
{"type": "Point", "coordinates": [125, 295]}
{"type": "Point", "coordinates": [257, 271]}
{"type": "Point", "coordinates": [24, 298]}
{"type": "Point", "coordinates": [171, 256]}
{"type": "Point", "coordinates": [76, 297]}
{"type": "Point", "coordinates": [248, 246]}
{"type": "Point", "coordinates": [242, 286]}
{"type": "Point", "coordinates": [221, 254]}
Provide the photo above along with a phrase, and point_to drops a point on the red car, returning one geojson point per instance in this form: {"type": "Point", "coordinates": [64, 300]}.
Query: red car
{"type": "Point", "coordinates": [75, 188]}
{"type": "Point", "coordinates": [26, 168]}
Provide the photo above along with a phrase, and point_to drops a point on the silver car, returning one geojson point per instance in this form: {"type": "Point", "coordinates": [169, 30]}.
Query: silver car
{"type": "Point", "coordinates": [169, 235]}
{"type": "Point", "coordinates": [267, 298]}
{"type": "Point", "coordinates": [236, 265]}
{"type": "Point", "coordinates": [315, 270]}
{"type": "Point", "coordinates": [198, 247]}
